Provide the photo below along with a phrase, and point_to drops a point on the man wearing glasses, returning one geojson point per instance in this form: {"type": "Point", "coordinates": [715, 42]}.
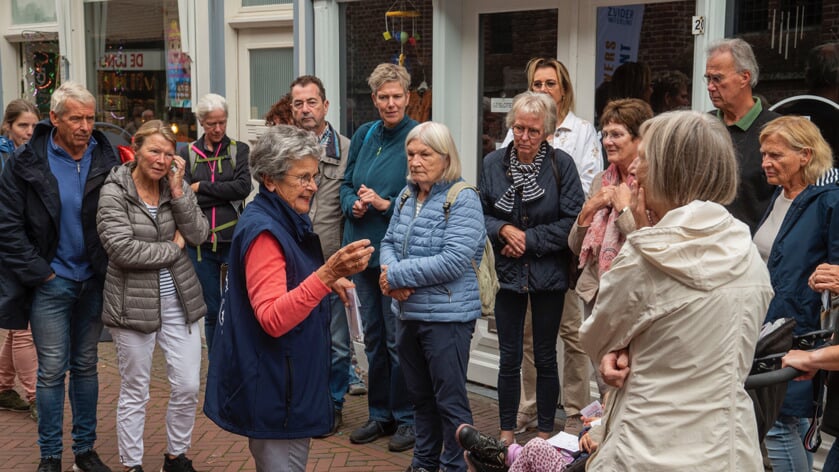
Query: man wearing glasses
{"type": "Point", "coordinates": [731, 72]}
{"type": "Point", "coordinates": [309, 107]}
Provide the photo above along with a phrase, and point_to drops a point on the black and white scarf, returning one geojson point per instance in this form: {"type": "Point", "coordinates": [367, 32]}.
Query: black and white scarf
{"type": "Point", "coordinates": [524, 178]}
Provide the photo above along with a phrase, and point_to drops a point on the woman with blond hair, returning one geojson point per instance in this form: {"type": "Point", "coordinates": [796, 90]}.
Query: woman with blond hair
{"type": "Point", "coordinates": [375, 174]}
{"type": "Point", "coordinates": [147, 215]}
{"type": "Point", "coordinates": [798, 233]}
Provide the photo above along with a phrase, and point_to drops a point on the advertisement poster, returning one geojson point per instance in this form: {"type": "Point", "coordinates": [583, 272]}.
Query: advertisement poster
{"type": "Point", "coordinates": [618, 35]}
{"type": "Point", "coordinates": [177, 68]}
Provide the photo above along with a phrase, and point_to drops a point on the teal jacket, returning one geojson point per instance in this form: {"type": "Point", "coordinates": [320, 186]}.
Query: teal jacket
{"type": "Point", "coordinates": [377, 160]}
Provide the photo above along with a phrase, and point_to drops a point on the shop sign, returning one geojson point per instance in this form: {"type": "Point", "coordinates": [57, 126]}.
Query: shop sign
{"type": "Point", "coordinates": [132, 60]}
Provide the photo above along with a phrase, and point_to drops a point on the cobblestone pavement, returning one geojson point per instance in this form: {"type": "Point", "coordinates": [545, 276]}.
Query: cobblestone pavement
{"type": "Point", "coordinates": [213, 450]}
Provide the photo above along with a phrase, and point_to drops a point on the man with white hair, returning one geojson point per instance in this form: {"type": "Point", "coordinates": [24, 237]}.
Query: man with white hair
{"type": "Point", "coordinates": [54, 266]}
{"type": "Point", "coordinates": [731, 73]}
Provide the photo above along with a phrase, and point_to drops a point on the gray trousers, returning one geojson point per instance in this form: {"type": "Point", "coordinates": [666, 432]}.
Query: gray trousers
{"type": "Point", "coordinates": [280, 455]}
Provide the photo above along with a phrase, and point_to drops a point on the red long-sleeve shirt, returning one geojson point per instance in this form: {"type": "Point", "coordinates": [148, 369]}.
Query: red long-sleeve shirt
{"type": "Point", "coordinates": [277, 309]}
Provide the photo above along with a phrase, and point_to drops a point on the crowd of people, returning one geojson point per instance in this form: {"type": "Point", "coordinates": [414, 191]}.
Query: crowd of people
{"type": "Point", "coordinates": [658, 270]}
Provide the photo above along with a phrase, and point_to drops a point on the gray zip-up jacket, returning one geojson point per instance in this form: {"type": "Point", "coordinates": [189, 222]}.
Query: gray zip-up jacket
{"type": "Point", "coordinates": [138, 246]}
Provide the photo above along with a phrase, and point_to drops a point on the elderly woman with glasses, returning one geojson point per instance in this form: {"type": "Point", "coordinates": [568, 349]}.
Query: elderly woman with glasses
{"type": "Point", "coordinates": [578, 138]}
{"type": "Point", "coordinates": [269, 372]}
{"type": "Point", "coordinates": [530, 194]}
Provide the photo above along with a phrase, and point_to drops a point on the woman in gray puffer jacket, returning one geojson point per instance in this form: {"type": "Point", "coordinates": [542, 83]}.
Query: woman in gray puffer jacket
{"type": "Point", "coordinates": [147, 214]}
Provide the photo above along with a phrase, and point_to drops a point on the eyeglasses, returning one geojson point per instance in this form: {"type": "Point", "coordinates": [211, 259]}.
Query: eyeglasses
{"type": "Point", "coordinates": [548, 84]}
{"type": "Point", "coordinates": [312, 103]}
{"type": "Point", "coordinates": [715, 79]}
{"type": "Point", "coordinates": [532, 133]}
{"type": "Point", "coordinates": [214, 124]}
{"type": "Point", "coordinates": [614, 135]}
{"type": "Point", "coordinates": [305, 179]}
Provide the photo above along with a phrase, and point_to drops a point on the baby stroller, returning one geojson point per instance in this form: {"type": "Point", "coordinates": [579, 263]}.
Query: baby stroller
{"type": "Point", "coordinates": [767, 381]}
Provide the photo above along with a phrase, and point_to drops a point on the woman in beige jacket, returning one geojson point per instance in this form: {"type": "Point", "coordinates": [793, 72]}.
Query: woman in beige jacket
{"type": "Point", "coordinates": [679, 312]}
{"type": "Point", "coordinates": [147, 214]}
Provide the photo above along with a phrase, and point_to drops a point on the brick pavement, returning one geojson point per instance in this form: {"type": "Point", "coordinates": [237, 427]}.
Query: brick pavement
{"type": "Point", "coordinates": [213, 450]}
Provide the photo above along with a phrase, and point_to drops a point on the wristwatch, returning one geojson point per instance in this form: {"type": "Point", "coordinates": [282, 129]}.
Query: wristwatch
{"type": "Point", "coordinates": [625, 209]}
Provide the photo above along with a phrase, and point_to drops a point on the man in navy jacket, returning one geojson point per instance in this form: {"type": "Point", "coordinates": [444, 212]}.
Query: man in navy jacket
{"type": "Point", "coordinates": [54, 266]}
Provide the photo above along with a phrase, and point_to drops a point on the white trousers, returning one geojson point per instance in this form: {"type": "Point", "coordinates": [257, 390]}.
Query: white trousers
{"type": "Point", "coordinates": [181, 346]}
{"type": "Point", "coordinates": [280, 455]}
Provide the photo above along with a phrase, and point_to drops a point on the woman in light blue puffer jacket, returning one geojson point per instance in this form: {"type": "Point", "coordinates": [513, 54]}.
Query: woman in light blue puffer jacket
{"type": "Point", "coordinates": [429, 255]}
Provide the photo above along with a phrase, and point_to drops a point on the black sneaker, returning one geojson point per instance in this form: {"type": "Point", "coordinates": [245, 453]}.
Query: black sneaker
{"type": "Point", "coordinates": [49, 465]}
{"type": "Point", "coordinates": [10, 400]}
{"type": "Point", "coordinates": [485, 449]}
{"type": "Point", "coordinates": [136, 468]}
{"type": "Point", "coordinates": [403, 440]}
{"type": "Point", "coordinates": [178, 464]}
{"type": "Point", "coordinates": [479, 466]}
{"type": "Point", "coordinates": [372, 431]}
{"type": "Point", "coordinates": [416, 469]}
{"type": "Point", "coordinates": [89, 462]}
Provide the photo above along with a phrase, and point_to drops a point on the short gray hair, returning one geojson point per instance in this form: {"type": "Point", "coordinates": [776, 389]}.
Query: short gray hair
{"type": "Point", "coordinates": [210, 103]}
{"type": "Point", "coordinates": [741, 51]}
{"type": "Point", "coordinates": [438, 137]}
{"type": "Point", "coordinates": [690, 157]}
{"type": "Point", "coordinates": [70, 90]}
{"type": "Point", "coordinates": [281, 145]}
{"type": "Point", "coordinates": [534, 103]}
{"type": "Point", "coordinates": [387, 72]}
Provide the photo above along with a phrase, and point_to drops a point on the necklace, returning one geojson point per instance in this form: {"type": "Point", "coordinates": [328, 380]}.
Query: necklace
{"type": "Point", "coordinates": [147, 195]}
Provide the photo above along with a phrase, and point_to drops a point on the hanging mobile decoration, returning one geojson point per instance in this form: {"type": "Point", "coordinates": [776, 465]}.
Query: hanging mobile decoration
{"type": "Point", "coordinates": [786, 27]}
{"type": "Point", "coordinates": [401, 12]}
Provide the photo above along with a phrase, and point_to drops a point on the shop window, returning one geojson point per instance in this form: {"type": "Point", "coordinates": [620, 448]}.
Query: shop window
{"type": "Point", "coordinates": [373, 37]}
{"type": "Point", "coordinates": [40, 58]}
{"type": "Point", "coordinates": [757, 15]}
{"type": "Point", "coordinates": [504, 57]}
{"type": "Point", "coordinates": [268, 67]}
{"type": "Point", "coordinates": [135, 64]}
{"type": "Point", "coordinates": [259, 3]}
{"type": "Point", "coordinates": [788, 30]}
{"type": "Point", "coordinates": [26, 12]}
{"type": "Point", "coordinates": [632, 61]}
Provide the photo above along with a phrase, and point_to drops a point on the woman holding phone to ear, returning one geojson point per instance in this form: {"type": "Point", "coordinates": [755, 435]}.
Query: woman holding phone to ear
{"type": "Point", "coordinates": [147, 215]}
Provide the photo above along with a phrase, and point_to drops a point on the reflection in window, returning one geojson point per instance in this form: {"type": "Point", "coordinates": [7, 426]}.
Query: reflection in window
{"type": "Point", "coordinates": [269, 69]}
{"type": "Point", "coordinates": [136, 64]}
{"type": "Point", "coordinates": [32, 11]}
{"type": "Point", "coordinates": [782, 50]}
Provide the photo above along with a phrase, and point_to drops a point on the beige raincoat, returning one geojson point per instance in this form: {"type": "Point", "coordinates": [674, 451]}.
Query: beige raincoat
{"type": "Point", "coordinates": [687, 298]}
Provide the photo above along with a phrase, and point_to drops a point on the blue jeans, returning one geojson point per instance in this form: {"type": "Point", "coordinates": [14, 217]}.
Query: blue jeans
{"type": "Point", "coordinates": [339, 378]}
{"type": "Point", "coordinates": [785, 445]}
{"type": "Point", "coordinates": [831, 464]}
{"type": "Point", "coordinates": [434, 360]}
{"type": "Point", "coordinates": [387, 395]}
{"type": "Point", "coordinates": [546, 313]}
{"type": "Point", "coordinates": [66, 323]}
{"type": "Point", "coordinates": [209, 275]}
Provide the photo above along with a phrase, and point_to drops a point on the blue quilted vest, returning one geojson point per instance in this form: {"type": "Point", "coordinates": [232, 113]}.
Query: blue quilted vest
{"type": "Point", "coordinates": [257, 385]}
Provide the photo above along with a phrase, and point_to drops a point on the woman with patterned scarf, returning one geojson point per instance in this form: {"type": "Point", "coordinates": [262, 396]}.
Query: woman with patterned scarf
{"type": "Point", "coordinates": [601, 228]}
{"type": "Point", "coordinates": [531, 194]}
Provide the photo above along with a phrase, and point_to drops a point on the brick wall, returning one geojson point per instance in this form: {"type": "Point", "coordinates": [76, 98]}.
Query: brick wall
{"type": "Point", "coordinates": [666, 41]}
